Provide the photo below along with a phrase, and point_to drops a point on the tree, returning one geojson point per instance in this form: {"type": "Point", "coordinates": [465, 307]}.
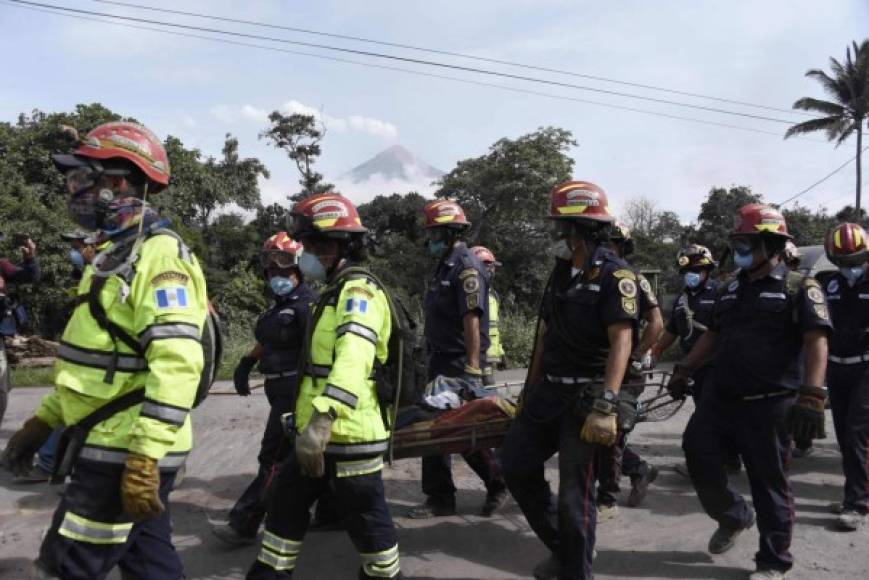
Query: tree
{"type": "Point", "coordinates": [299, 136]}
{"type": "Point", "coordinates": [640, 215]}
{"type": "Point", "coordinates": [806, 226]}
{"type": "Point", "coordinates": [506, 196]}
{"type": "Point", "coordinates": [715, 221]}
{"type": "Point", "coordinates": [849, 108]}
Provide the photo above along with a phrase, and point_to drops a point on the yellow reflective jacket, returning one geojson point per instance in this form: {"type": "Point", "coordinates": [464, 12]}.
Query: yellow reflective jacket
{"type": "Point", "coordinates": [496, 350]}
{"type": "Point", "coordinates": [352, 327]}
{"type": "Point", "coordinates": [164, 305]}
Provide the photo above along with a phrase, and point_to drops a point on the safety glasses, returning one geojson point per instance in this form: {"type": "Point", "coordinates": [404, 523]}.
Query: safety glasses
{"type": "Point", "coordinates": [742, 245]}
{"type": "Point", "coordinates": [275, 259]}
{"type": "Point", "coordinates": [80, 179]}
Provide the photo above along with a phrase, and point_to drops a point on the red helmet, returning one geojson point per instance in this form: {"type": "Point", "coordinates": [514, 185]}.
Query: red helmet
{"type": "Point", "coordinates": [445, 212]}
{"type": "Point", "coordinates": [485, 255]}
{"type": "Point", "coordinates": [759, 218]}
{"type": "Point", "coordinates": [123, 140]}
{"type": "Point", "coordinates": [282, 250]}
{"type": "Point", "coordinates": [579, 200]}
{"type": "Point", "coordinates": [695, 256]}
{"type": "Point", "coordinates": [328, 214]}
{"type": "Point", "coordinates": [846, 245]}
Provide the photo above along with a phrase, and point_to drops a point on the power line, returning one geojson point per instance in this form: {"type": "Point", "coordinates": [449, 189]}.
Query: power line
{"type": "Point", "coordinates": [447, 53]}
{"type": "Point", "coordinates": [403, 70]}
{"type": "Point", "coordinates": [825, 178]}
{"type": "Point", "coordinates": [402, 59]}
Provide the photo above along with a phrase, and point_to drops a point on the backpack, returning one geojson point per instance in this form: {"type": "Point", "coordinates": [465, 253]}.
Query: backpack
{"type": "Point", "coordinates": [212, 340]}
{"type": "Point", "coordinates": [399, 381]}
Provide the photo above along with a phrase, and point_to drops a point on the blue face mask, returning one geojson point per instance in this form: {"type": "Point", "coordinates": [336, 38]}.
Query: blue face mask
{"type": "Point", "coordinates": [692, 279]}
{"type": "Point", "coordinates": [311, 267]}
{"type": "Point", "coordinates": [76, 258]}
{"type": "Point", "coordinates": [436, 248]}
{"type": "Point", "coordinates": [744, 261]}
{"type": "Point", "coordinates": [852, 274]}
{"type": "Point", "coordinates": [281, 286]}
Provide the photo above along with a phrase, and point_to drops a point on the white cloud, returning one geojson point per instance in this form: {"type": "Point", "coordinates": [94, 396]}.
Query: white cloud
{"type": "Point", "coordinates": [378, 184]}
{"type": "Point", "coordinates": [232, 114]}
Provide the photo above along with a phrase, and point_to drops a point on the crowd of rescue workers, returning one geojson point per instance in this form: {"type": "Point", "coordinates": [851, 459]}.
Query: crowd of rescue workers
{"type": "Point", "coordinates": [764, 350]}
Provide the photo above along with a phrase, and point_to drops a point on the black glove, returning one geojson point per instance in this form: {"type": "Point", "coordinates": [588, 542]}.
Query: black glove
{"type": "Point", "coordinates": [681, 383]}
{"type": "Point", "coordinates": [805, 420]}
{"type": "Point", "coordinates": [241, 374]}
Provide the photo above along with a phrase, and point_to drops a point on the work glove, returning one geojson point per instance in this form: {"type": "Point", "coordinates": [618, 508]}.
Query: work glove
{"type": "Point", "coordinates": [805, 419]}
{"type": "Point", "coordinates": [241, 375]}
{"type": "Point", "coordinates": [19, 452]}
{"type": "Point", "coordinates": [473, 376]}
{"type": "Point", "coordinates": [681, 383]}
{"type": "Point", "coordinates": [600, 428]}
{"type": "Point", "coordinates": [140, 487]}
{"type": "Point", "coordinates": [311, 445]}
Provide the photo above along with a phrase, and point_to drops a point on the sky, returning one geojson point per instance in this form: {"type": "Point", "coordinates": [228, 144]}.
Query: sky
{"type": "Point", "coordinates": [199, 90]}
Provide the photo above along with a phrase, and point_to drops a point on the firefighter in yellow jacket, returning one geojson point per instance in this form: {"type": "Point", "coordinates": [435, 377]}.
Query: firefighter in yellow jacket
{"type": "Point", "coordinates": [338, 425]}
{"type": "Point", "coordinates": [495, 353]}
{"type": "Point", "coordinates": [129, 362]}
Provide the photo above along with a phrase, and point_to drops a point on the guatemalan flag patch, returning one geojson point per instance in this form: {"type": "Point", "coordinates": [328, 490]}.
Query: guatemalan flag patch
{"type": "Point", "coordinates": [171, 297]}
{"type": "Point", "coordinates": [357, 304]}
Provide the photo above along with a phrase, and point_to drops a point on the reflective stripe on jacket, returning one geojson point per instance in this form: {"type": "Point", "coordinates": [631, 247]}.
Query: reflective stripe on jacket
{"type": "Point", "coordinates": [164, 306]}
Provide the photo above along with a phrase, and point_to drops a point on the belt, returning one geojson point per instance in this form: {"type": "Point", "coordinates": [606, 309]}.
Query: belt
{"type": "Point", "coordinates": [280, 375]}
{"type": "Point", "coordinates": [768, 395]}
{"type": "Point", "coordinates": [849, 360]}
{"type": "Point", "coordinates": [569, 380]}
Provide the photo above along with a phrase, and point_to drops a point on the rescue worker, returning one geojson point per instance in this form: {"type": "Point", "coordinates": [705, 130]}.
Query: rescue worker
{"type": "Point", "coordinates": [27, 272]}
{"type": "Point", "coordinates": [793, 258]}
{"type": "Point", "coordinates": [847, 246]}
{"type": "Point", "coordinates": [340, 435]}
{"type": "Point", "coordinates": [767, 322]}
{"type": "Point", "coordinates": [621, 459]}
{"type": "Point", "coordinates": [690, 318]}
{"type": "Point", "coordinates": [81, 252]}
{"type": "Point", "coordinates": [495, 354]}
{"type": "Point", "coordinates": [457, 338]}
{"type": "Point", "coordinates": [582, 350]}
{"type": "Point", "coordinates": [279, 332]}
{"type": "Point", "coordinates": [145, 287]}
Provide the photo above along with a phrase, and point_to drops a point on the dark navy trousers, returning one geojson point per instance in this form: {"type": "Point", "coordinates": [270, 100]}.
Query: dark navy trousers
{"type": "Point", "coordinates": [549, 424]}
{"type": "Point", "coordinates": [849, 400]}
{"type": "Point", "coordinates": [756, 430]}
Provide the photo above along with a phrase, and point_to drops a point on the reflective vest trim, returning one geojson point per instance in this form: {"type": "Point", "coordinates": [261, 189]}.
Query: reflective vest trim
{"type": "Point", "coordinates": [281, 545]}
{"type": "Point", "coordinates": [345, 449]}
{"type": "Point", "coordinates": [275, 561]}
{"type": "Point", "coordinates": [169, 330]}
{"type": "Point", "coordinates": [361, 467]}
{"type": "Point", "coordinates": [163, 412]}
{"type": "Point", "coordinates": [341, 395]}
{"type": "Point", "coordinates": [170, 462]}
{"type": "Point", "coordinates": [81, 529]}
{"type": "Point", "coordinates": [319, 371]}
{"type": "Point", "coordinates": [359, 330]}
{"type": "Point", "coordinates": [99, 359]}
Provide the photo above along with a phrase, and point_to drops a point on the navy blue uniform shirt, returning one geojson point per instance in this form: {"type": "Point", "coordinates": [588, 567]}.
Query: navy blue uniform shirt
{"type": "Point", "coordinates": [459, 285]}
{"type": "Point", "coordinates": [849, 310]}
{"type": "Point", "coordinates": [692, 314]}
{"type": "Point", "coordinates": [760, 327]}
{"type": "Point", "coordinates": [281, 329]}
{"type": "Point", "coordinates": [578, 310]}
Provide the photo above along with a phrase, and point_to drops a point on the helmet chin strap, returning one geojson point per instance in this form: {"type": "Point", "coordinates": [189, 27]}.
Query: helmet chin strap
{"type": "Point", "coordinates": [763, 262]}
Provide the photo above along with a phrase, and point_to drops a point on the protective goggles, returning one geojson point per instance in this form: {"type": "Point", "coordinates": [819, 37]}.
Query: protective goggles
{"type": "Point", "coordinates": [277, 259]}
{"type": "Point", "coordinates": [80, 179]}
{"type": "Point", "coordinates": [743, 245]}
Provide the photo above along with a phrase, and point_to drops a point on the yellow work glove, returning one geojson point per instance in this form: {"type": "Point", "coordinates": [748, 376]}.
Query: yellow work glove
{"type": "Point", "coordinates": [599, 428]}
{"type": "Point", "coordinates": [140, 487]}
{"type": "Point", "coordinates": [311, 444]}
{"type": "Point", "coordinates": [19, 452]}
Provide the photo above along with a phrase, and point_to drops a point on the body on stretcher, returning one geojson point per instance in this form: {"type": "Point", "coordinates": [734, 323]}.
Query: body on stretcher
{"type": "Point", "coordinates": [484, 423]}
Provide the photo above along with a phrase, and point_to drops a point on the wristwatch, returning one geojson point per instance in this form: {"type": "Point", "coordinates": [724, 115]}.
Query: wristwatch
{"type": "Point", "coordinates": [610, 396]}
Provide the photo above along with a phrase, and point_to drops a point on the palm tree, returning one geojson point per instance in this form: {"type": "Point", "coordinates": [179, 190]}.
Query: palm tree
{"type": "Point", "coordinates": [849, 107]}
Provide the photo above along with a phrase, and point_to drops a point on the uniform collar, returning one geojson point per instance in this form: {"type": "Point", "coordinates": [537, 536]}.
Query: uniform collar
{"type": "Point", "coordinates": [779, 272]}
{"type": "Point", "coordinates": [292, 296]}
{"type": "Point", "coordinates": [458, 249]}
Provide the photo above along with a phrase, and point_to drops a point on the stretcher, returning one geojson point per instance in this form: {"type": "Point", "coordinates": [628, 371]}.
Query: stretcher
{"type": "Point", "coordinates": [647, 398]}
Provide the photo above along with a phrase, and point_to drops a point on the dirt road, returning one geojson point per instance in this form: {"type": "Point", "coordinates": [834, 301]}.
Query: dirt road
{"type": "Point", "coordinates": [664, 539]}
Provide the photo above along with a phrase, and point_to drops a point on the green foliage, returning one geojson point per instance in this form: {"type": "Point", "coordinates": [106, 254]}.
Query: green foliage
{"type": "Point", "coordinates": [715, 221]}
{"type": "Point", "coordinates": [517, 335]}
{"type": "Point", "coordinates": [299, 136]}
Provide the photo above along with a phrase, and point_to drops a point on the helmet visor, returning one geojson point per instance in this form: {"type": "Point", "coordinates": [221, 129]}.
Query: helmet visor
{"type": "Point", "coordinates": [281, 260]}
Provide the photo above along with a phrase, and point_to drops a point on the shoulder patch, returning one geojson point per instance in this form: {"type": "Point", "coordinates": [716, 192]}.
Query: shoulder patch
{"type": "Point", "coordinates": [627, 288]}
{"type": "Point", "coordinates": [170, 276]}
{"type": "Point", "coordinates": [833, 286]}
{"type": "Point", "coordinates": [815, 295]}
{"type": "Point", "coordinates": [629, 305]}
{"type": "Point", "coordinates": [644, 285]}
{"type": "Point", "coordinates": [624, 273]}
{"type": "Point", "coordinates": [471, 285]}
{"type": "Point", "coordinates": [467, 272]}
{"type": "Point", "coordinates": [733, 286]}
{"type": "Point", "coordinates": [174, 297]}
{"type": "Point", "coordinates": [472, 301]}
{"type": "Point", "coordinates": [356, 305]}
{"type": "Point", "coordinates": [821, 311]}
{"type": "Point", "coordinates": [360, 291]}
